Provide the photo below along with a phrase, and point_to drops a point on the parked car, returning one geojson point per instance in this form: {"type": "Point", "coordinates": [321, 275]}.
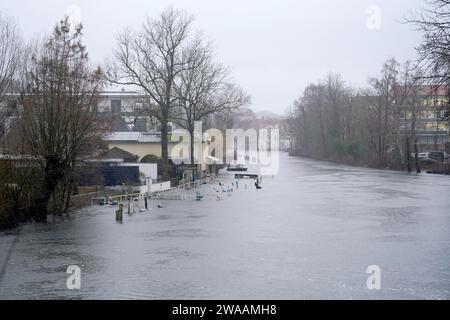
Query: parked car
{"type": "Point", "coordinates": [439, 156]}
{"type": "Point", "coordinates": [423, 156]}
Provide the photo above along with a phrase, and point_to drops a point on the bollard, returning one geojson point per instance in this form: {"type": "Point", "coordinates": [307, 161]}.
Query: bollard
{"type": "Point", "coordinates": [146, 204]}
{"type": "Point", "coordinates": [129, 206]}
{"type": "Point", "coordinates": [119, 213]}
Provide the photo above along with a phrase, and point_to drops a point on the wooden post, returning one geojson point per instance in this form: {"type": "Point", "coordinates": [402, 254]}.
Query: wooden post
{"type": "Point", "coordinates": [119, 213]}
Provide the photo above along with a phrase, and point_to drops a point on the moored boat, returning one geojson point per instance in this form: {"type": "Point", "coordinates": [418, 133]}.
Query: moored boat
{"type": "Point", "coordinates": [238, 168]}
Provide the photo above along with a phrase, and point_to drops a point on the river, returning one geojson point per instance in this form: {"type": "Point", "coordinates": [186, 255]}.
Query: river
{"type": "Point", "coordinates": [310, 233]}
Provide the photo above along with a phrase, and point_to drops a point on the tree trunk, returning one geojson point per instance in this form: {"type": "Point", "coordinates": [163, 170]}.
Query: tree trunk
{"type": "Point", "coordinates": [69, 188]}
{"type": "Point", "coordinates": [305, 134]}
{"type": "Point", "coordinates": [165, 142]}
{"type": "Point", "coordinates": [51, 179]}
{"type": "Point", "coordinates": [417, 157]}
{"type": "Point", "coordinates": [408, 155]}
{"type": "Point", "coordinates": [192, 143]}
{"type": "Point", "coordinates": [39, 210]}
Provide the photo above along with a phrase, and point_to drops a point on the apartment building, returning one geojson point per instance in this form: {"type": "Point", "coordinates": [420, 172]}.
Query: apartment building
{"type": "Point", "coordinates": [426, 117]}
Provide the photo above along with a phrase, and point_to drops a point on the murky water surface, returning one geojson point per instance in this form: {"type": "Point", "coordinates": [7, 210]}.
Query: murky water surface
{"type": "Point", "coordinates": [310, 233]}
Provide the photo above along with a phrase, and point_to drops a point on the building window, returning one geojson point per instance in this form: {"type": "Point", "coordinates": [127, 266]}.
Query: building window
{"type": "Point", "coordinates": [116, 106]}
{"type": "Point", "coordinates": [140, 125]}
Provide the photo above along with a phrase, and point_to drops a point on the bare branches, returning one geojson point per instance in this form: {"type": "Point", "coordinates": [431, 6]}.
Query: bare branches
{"type": "Point", "coordinates": [390, 96]}
{"type": "Point", "coordinates": [324, 118]}
{"type": "Point", "coordinates": [152, 60]}
{"type": "Point", "coordinates": [205, 88]}
{"type": "Point", "coordinates": [58, 97]}
{"type": "Point", "coordinates": [10, 53]}
{"type": "Point", "coordinates": [434, 51]}
{"type": "Point", "coordinates": [335, 122]}
{"type": "Point", "coordinates": [176, 71]}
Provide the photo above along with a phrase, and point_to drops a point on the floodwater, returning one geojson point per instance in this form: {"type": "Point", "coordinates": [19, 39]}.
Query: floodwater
{"type": "Point", "coordinates": [310, 233]}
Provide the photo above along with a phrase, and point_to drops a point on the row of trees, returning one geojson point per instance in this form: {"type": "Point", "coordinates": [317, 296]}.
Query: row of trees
{"type": "Point", "coordinates": [57, 122]}
{"type": "Point", "coordinates": [333, 121]}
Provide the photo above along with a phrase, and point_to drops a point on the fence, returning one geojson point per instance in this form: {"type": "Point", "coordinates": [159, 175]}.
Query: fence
{"type": "Point", "coordinates": [175, 193]}
{"type": "Point", "coordinates": [179, 192]}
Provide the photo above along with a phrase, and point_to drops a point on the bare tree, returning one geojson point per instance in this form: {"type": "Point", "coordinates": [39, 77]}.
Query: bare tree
{"type": "Point", "coordinates": [153, 59]}
{"type": "Point", "coordinates": [203, 89]}
{"type": "Point", "coordinates": [409, 95]}
{"type": "Point", "coordinates": [393, 100]}
{"type": "Point", "coordinates": [325, 117]}
{"type": "Point", "coordinates": [434, 51]}
{"type": "Point", "coordinates": [376, 125]}
{"type": "Point", "coordinates": [10, 53]}
{"type": "Point", "coordinates": [59, 117]}
{"type": "Point", "coordinates": [383, 105]}
{"type": "Point", "coordinates": [296, 128]}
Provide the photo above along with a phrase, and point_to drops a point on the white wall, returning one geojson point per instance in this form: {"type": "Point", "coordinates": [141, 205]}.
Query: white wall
{"type": "Point", "coordinates": [160, 187]}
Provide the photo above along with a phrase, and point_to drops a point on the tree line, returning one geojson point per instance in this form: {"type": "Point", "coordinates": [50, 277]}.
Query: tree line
{"type": "Point", "coordinates": [55, 122]}
{"type": "Point", "coordinates": [376, 125]}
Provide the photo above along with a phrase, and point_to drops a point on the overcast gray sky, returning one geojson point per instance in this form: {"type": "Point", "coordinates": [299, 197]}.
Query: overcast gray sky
{"type": "Point", "coordinates": [273, 47]}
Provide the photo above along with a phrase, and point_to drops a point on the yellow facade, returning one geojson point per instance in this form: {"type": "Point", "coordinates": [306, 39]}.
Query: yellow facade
{"type": "Point", "coordinates": [149, 148]}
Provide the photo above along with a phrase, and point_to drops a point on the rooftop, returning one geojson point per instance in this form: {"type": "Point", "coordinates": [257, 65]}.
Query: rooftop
{"type": "Point", "coordinates": [140, 137]}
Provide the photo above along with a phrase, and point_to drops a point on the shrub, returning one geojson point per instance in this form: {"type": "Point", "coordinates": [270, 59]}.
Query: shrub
{"type": "Point", "coordinates": [355, 151]}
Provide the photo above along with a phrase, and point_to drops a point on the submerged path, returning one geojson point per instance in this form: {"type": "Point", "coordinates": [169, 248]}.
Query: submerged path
{"type": "Point", "coordinates": [310, 233]}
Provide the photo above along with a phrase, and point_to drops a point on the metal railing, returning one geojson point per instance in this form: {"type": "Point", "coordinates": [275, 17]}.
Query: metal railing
{"type": "Point", "coordinates": [175, 193]}
{"type": "Point", "coordinates": [179, 192]}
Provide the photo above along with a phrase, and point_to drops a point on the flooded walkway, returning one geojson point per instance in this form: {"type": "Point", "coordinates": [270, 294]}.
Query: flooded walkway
{"type": "Point", "coordinates": [310, 233]}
